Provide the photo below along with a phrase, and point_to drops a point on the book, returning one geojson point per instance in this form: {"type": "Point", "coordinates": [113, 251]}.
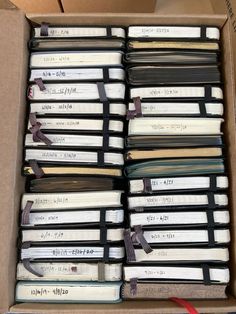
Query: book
{"type": "Point", "coordinates": [175, 126]}
{"type": "Point", "coordinates": [72, 184]}
{"type": "Point", "coordinates": [79, 292]}
{"type": "Point", "coordinates": [182, 255]}
{"type": "Point", "coordinates": [78, 125]}
{"type": "Point", "coordinates": [71, 252]}
{"type": "Point", "coordinates": [71, 235]}
{"type": "Point", "coordinates": [80, 32]}
{"type": "Point", "coordinates": [47, 59]}
{"type": "Point", "coordinates": [176, 32]}
{"type": "Point", "coordinates": [168, 57]}
{"type": "Point", "coordinates": [180, 218]}
{"type": "Point", "coordinates": [183, 74]}
{"type": "Point", "coordinates": [175, 167]}
{"type": "Point", "coordinates": [75, 91]}
{"type": "Point", "coordinates": [177, 200]}
{"type": "Point", "coordinates": [178, 184]}
{"type": "Point", "coordinates": [77, 108]}
{"type": "Point", "coordinates": [176, 273]}
{"type": "Point", "coordinates": [191, 237]}
{"type": "Point", "coordinates": [173, 153]}
{"type": "Point", "coordinates": [80, 74]}
{"type": "Point", "coordinates": [74, 218]}
{"type": "Point", "coordinates": [76, 157]}
{"type": "Point", "coordinates": [75, 170]}
{"type": "Point", "coordinates": [172, 92]}
{"type": "Point", "coordinates": [67, 271]}
{"type": "Point", "coordinates": [181, 45]}
{"type": "Point", "coordinates": [41, 44]}
{"type": "Point", "coordinates": [76, 141]}
{"type": "Point", "coordinates": [179, 108]}
{"type": "Point", "coordinates": [73, 200]}
{"type": "Point", "coordinates": [164, 291]}
{"type": "Point", "coordinates": [168, 141]}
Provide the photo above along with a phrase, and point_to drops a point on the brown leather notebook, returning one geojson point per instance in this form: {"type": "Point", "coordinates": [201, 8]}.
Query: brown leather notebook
{"type": "Point", "coordinates": [162, 291]}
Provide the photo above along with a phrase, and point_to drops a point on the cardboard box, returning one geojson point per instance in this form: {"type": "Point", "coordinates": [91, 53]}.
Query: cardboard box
{"type": "Point", "coordinates": [14, 34]}
{"type": "Point", "coordinates": [35, 6]}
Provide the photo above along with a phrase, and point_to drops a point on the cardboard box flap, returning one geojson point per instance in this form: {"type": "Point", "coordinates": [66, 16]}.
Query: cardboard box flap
{"type": "Point", "coordinates": [7, 4]}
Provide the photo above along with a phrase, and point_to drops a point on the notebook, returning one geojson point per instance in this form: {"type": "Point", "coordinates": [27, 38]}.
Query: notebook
{"type": "Point", "coordinates": [78, 125]}
{"type": "Point", "coordinates": [168, 57]}
{"type": "Point", "coordinates": [173, 153]}
{"type": "Point", "coordinates": [71, 235]}
{"type": "Point", "coordinates": [71, 252]}
{"type": "Point", "coordinates": [74, 58]}
{"type": "Point", "coordinates": [181, 45]}
{"type": "Point", "coordinates": [72, 184]}
{"type": "Point", "coordinates": [180, 218]}
{"type": "Point", "coordinates": [178, 183]}
{"type": "Point", "coordinates": [76, 170]}
{"type": "Point", "coordinates": [175, 126]}
{"type": "Point", "coordinates": [175, 167]}
{"type": "Point", "coordinates": [179, 108]}
{"type": "Point", "coordinates": [178, 200]}
{"type": "Point", "coordinates": [76, 217]}
{"type": "Point", "coordinates": [177, 32]}
{"type": "Point", "coordinates": [80, 74]}
{"type": "Point", "coordinates": [164, 291]}
{"type": "Point", "coordinates": [67, 271]}
{"type": "Point", "coordinates": [152, 141]}
{"type": "Point", "coordinates": [173, 74]}
{"type": "Point", "coordinates": [185, 92]}
{"type": "Point", "coordinates": [179, 274]}
{"type": "Point", "coordinates": [182, 255]}
{"type": "Point", "coordinates": [79, 31]}
{"type": "Point", "coordinates": [70, 156]}
{"type": "Point", "coordinates": [79, 292]}
{"type": "Point", "coordinates": [77, 108]}
{"type": "Point", "coordinates": [76, 141]}
{"type": "Point", "coordinates": [73, 200]}
{"type": "Point", "coordinates": [75, 91]}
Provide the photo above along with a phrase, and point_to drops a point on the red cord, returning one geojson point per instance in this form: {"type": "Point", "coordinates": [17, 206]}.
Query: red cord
{"type": "Point", "coordinates": [189, 307]}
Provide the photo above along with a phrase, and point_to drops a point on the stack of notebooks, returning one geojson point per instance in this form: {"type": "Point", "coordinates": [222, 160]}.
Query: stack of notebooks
{"type": "Point", "coordinates": [72, 214]}
{"type": "Point", "coordinates": [178, 233]}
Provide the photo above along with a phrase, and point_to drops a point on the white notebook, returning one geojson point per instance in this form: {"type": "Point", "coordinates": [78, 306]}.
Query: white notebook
{"type": "Point", "coordinates": [71, 252]}
{"type": "Point", "coordinates": [182, 255]}
{"type": "Point", "coordinates": [75, 91]}
{"type": "Point", "coordinates": [178, 183]}
{"type": "Point", "coordinates": [72, 200]}
{"type": "Point", "coordinates": [76, 108]}
{"type": "Point", "coordinates": [66, 271]}
{"type": "Point", "coordinates": [175, 92]}
{"type": "Point", "coordinates": [176, 200]}
{"type": "Point", "coordinates": [180, 236]}
{"type": "Point", "coordinates": [78, 292]}
{"type": "Point", "coordinates": [178, 32]}
{"type": "Point", "coordinates": [75, 59]}
{"type": "Point", "coordinates": [76, 217]}
{"type": "Point", "coordinates": [75, 31]}
{"type": "Point", "coordinates": [80, 74]}
{"type": "Point", "coordinates": [68, 156]}
{"type": "Point", "coordinates": [175, 126]}
{"type": "Point", "coordinates": [72, 124]}
{"type": "Point", "coordinates": [177, 218]}
{"type": "Point", "coordinates": [217, 275]}
{"type": "Point", "coordinates": [178, 108]}
{"type": "Point", "coordinates": [73, 235]}
{"type": "Point", "coordinates": [77, 141]}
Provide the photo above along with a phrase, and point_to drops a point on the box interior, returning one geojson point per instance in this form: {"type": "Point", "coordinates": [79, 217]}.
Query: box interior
{"type": "Point", "coordinates": [15, 31]}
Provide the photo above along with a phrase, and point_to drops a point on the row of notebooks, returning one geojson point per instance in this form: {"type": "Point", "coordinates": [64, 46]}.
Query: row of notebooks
{"type": "Point", "coordinates": [177, 199]}
{"type": "Point", "coordinates": [71, 237]}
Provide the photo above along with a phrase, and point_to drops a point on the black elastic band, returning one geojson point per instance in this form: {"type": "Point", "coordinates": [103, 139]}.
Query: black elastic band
{"type": "Point", "coordinates": [101, 272]}
{"type": "Point", "coordinates": [26, 245]}
{"type": "Point", "coordinates": [213, 183]}
{"type": "Point", "coordinates": [100, 158]}
{"type": "Point", "coordinates": [44, 29]}
{"type": "Point", "coordinates": [102, 217]}
{"type": "Point", "coordinates": [106, 108]}
{"type": "Point", "coordinates": [109, 31]}
{"type": "Point", "coordinates": [103, 235]}
{"type": "Point", "coordinates": [106, 250]}
{"type": "Point", "coordinates": [208, 93]}
{"type": "Point", "coordinates": [26, 263]}
{"type": "Point", "coordinates": [202, 108]}
{"type": "Point", "coordinates": [203, 32]}
{"type": "Point", "coordinates": [101, 91]}
{"type": "Point", "coordinates": [210, 218]}
{"type": "Point", "coordinates": [147, 185]}
{"type": "Point", "coordinates": [211, 236]}
{"type": "Point", "coordinates": [139, 209]}
{"type": "Point", "coordinates": [206, 274]}
{"type": "Point", "coordinates": [211, 200]}
{"type": "Point", "coordinates": [106, 76]}
{"type": "Point", "coordinates": [105, 131]}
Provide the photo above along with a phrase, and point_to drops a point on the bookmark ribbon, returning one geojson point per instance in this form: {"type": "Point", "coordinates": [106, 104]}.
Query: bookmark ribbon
{"type": "Point", "coordinates": [129, 246]}
{"type": "Point", "coordinates": [26, 212]}
{"type": "Point", "coordinates": [36, 169]}
{"type": "Point", "coordinates": [133, 286]}
{"type": "Point", "coordinates": [38, 135]}
{"type": "Point", "coordinates": [137, 112]}
{"type": "Point", "coordinates": [26, 263]}
{"type": "Point", "coordinates": [187, 305]}
{"type": "Point", "coordinates": [44, 29]}
{"type": "Point", "coordinates": [147, 185]}
{"type": "Point", "coordinates": [40, 84]}
{"type": "Point", "coordinates": [140, 238]}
